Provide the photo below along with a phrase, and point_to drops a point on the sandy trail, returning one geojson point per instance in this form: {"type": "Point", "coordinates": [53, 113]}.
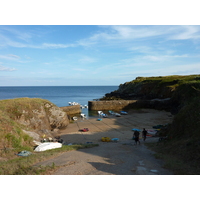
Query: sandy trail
{"type": "Point", "coordinates": [109, 158]}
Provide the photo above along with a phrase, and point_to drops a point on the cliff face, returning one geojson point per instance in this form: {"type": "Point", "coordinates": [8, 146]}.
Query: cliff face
{"type": "Point", "coordinates": [183, 134]}
{"type": "Point", "coordinates": [35, 116]}
{"type": "Point", "coordinates": [179, 89]}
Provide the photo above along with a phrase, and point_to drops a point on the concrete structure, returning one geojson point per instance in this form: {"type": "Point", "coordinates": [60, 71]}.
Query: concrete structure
{"type": "Point", "coordinates": [110, 105]}
{"type": "Point", "coordinates": [70, 110]}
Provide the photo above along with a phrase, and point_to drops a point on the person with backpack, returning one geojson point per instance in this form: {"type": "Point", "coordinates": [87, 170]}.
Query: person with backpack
{"type": "Point", "coordinates": [144, 134]}
{"type": "Point", "coordinates": [136, 137]}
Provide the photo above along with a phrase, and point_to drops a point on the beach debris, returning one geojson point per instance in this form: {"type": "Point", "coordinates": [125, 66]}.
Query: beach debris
{"type": "Point", "coordinates": [24, 153]}
{"type": "Point", "coordinates": [47, 146]}
{"type": "Point", "coordinates": [105, 139]}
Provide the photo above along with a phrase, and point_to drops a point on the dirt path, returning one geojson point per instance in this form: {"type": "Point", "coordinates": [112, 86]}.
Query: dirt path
{"type": "Point", "coordinates": [110, 158]}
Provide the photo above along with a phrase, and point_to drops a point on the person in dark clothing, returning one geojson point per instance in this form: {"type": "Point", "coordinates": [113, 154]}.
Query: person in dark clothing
{"type": "Point", "coordinates": [136, 136]}
{"type": "Point", "coordinates": [144, 134]}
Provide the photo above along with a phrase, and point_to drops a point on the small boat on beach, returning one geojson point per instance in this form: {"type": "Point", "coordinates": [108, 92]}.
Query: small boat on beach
{"type": "Point", "coordinates": [48, 145]}
{"type": "Point", "coordinates": [75, 118]}
{"type": "Point", "coordinates": [104, 115]}
{"type": "Point", "coordinates": [83, 115]}
{"type": "Point", "coordinates": [123, 112]}
{"type": "Point", "coordinates": [111, 112]}
{"type": "Point", "coordinates": [100, 112]}
{"type": "Point", "coordinates": [117, 115]}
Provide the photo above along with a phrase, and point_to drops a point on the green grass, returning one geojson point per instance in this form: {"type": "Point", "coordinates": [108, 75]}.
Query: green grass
{"type": "Point", "coordinates": [173, 161]}
{"type": "Point", "coordinates": [25, 165]}
{"type": "Point", "coordinates": [11, 134]}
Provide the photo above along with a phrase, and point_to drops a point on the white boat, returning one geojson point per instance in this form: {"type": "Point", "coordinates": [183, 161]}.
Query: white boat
{"type": "Point", "coordinates": [117, 115]}
{"type": "Point", "coordinates": [75, 118]}
{"type": "Point", "coordinates": [47, 146]}
{"type": "Point", "coordinates": [86, 106]}
{"type": "Point", "coordinates": [111, 112]}
{"type": "Point", "coordinates": [151, 132]}
{"type": "Point", "coordinates": [73, 103]}
{"type": "Point", "coordinates": [104, 115]}
{"type": "Point", "coordinates": [100, 112]}
{"type": "Point", "coordinates": [83, 115]}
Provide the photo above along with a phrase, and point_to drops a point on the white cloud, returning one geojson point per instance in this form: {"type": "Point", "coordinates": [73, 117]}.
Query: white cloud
{"type": "Point", "coordinates": [55, 46]}
{"type": "Point", "coordinates": [10, 57]}
{"type": "Point", "coordinates": [2, 68]}
{"type": "Point", "coordinates": [185, 33]}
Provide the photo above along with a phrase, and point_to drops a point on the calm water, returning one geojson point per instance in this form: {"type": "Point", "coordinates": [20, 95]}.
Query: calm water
{"type": "Point", "coordinates": [59, 95]}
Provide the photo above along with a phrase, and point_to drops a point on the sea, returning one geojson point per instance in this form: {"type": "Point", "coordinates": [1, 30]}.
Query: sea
{"type": "Point", "coordinates": [59, 95]}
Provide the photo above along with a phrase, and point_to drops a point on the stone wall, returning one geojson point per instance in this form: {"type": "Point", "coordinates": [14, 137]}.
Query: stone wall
{"type": "Point", "coordinates": [111, 105]}
{"type": "Point", "coordinates": [71, 110]}
{"type": "Point", "coordinates": [159, 104]}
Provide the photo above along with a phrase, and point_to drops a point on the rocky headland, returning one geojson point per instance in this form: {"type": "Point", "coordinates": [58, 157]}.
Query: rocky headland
{"type": "Point", "coordinates": [181, 96]}
{"type": "Point", "coordinates": [25, 119]}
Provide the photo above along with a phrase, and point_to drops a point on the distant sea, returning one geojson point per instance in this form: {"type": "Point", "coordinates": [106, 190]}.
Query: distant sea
{"type": "Point", "coordinates": [59, 95]}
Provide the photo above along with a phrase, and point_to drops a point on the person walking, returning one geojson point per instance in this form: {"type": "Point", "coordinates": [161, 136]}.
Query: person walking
{"type": "Point", "coordinates": [144, 134]}
{"type": "Point", "coordinates": [136, 136]}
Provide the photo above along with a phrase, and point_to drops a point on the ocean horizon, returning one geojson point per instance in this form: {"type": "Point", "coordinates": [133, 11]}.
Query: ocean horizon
{"type": "Point", "coordinates": [59, 95]}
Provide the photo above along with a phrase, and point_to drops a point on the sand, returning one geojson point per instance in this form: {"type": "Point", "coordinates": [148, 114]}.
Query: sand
{"type": "Point", "coordinates": [112, 158]}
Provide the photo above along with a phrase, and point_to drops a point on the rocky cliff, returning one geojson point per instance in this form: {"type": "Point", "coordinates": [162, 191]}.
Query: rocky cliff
{"type": "Point", "coordinates": [154, 91]}
{"type": "Point", "coordinates": [183, 98]}
{"type": "Point", "coordinates": [27, 116]}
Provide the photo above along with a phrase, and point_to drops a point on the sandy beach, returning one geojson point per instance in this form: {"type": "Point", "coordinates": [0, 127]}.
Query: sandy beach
{"type": "Point", "coordinates": [112, 158]}
{"type": "Point", "coordinates": [114, 127]}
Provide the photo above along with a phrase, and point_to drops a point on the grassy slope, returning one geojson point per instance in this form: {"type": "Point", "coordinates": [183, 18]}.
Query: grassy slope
{"type": "Point", "coordinates": [157, 86]}
{"type": "Point", "coordinates": [181, 151]}
{"type": "Point", "coordinates": [11, 134]}
{"type": "Point", "coordinates": [13, 140]}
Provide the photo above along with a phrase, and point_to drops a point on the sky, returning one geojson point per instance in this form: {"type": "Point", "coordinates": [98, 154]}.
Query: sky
{"type": "Point", "coordinates": [73, 55]}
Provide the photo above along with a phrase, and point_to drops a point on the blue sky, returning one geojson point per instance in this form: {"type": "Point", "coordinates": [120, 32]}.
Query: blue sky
{"type": "Point", "coordinates": [66, 55]}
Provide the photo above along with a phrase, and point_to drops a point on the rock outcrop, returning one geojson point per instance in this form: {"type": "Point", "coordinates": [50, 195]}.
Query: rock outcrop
{"type": "Point", "coordinates": [36, 117]}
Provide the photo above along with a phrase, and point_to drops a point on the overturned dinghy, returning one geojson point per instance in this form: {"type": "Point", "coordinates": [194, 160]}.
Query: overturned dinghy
{"type": "Point", "coordinates": [47, 146]}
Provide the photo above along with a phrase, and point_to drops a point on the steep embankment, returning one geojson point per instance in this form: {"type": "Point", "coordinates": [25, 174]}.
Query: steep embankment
{"type": "Point", "coordinates": [25, 119]}
{"type": "Point", "coordinates": [183, 135]}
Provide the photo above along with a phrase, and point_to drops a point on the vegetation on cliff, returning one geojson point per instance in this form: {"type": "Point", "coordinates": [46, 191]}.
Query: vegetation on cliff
{"type": "Point", "coordinates": [153, 87]}
{"type": "Point", "coordinates": [183, 135]}
{"type": "Point", "coordinates": [18, 117]}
